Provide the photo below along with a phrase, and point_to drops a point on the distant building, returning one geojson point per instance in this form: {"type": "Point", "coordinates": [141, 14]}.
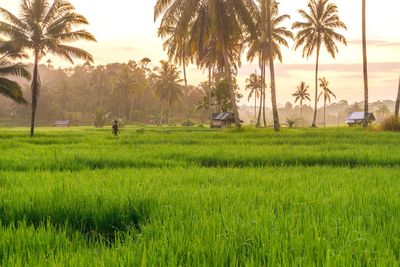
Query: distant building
{"type": "Point", "coordinates": [357, 118]}
{"type": "Point", "coordinates": [222, 120]}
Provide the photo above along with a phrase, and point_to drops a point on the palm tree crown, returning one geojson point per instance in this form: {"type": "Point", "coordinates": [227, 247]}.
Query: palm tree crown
{"type": "Point", "coordinates": [9, 88]}
{"type": "Point", "coordinates": [302, 94]}
{"type": "Point", "coordinates": [319, 28]}
{"type": "Point", "coordinates": [167, 85]}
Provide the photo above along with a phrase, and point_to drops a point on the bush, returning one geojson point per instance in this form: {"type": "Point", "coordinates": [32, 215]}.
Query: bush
{"type": "Point", "coordinates": [188, 123]}
{"type": "Point", "coordinates": [391, 124]}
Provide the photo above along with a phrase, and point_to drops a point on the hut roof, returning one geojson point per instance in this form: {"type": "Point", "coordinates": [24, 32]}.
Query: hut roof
{"type": "Point", "coordinates": [357, 116]}
{"type": "Point", "coordinates": [222, 116]}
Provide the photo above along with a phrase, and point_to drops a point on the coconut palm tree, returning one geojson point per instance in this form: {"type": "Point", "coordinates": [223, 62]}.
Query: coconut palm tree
{"type": "Point", "coordinates": [327, 93]}
{"type": "Point", "coordinates": [176, 45]}
{"type": "Point", "coordinates": [301, 95]}
{"type": "Point", "coordinates": [167, 84]}
{"type": "Point", "coordinates": [44, 27]}
{"type": "Point", "coordinates": [254, 85]}
{"type": "Point", "coordinates": [223, 22]}
{"type": "Point", "coordinates": [9, 88]}
{"type": "Point", "coordinates": [259, 44]}
{"type": "Point", "coordinates": [319, 29]}
{"type": "Point", "coordinates": [383, 111]}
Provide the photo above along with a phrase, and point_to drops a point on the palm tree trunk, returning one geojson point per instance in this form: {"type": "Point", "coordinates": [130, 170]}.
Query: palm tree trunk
{"type": "Point", "coordinates": [35, 90]}
{"type": "Point", "coordinates": [365, 62]}
{"type": "Point", "coordinates": [264, 97]}
{"type": "Point", "coordinates": [261, 97]}
{"type": "Point", "coordinates": [255, 106]}
{"type": "Point", "coordinates": [131, 109]}
{"type": "Point", "coordinates": [209, 95]}
{"type": "Point", "coordinates": [396, 111]}
{"type": "Point", "coordinates": [301, 108]}
{"type": "Point", "coordinates": [324, 113]}
{"type": "Point", "coordinates": [272, 69]}
{"type": "Point", "coordinates": [314, 124]}
{"type": "Point", "coordinates": [168, 112]}
{"type": "Point", "coordinates": [230, 84]}
{"type": "Point", "coordinates": [186, 88]}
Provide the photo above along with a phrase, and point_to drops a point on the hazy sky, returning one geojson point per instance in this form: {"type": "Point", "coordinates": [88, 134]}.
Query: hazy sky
{"type": "Point", "coordinates": [125, 30]}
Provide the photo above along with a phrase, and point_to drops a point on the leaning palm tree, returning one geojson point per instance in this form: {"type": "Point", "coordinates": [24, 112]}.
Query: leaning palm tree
{"type": "Point", "coordinates": [44, 27]}
{"type": "Point", "coordinates": [9, 88]}
{"type": "Point", "coordinates": [254, 85]}
{"type": "Point", "coordinates": [167, 84]}
{"type": "Point", "coordinates": [327, 93]}
{"type": "Point", "coordinates": [302, 94]}
{"type": "Point", "coordinates": [319, 29]}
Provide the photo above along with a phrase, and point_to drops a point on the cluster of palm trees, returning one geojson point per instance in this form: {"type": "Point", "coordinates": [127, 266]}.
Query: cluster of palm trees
{"type": "Point", "coordinates": [43, 27]}
{"type": "Point", "coordinates": [213, 34]}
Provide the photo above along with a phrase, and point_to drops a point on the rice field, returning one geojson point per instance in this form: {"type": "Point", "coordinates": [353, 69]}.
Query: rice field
{"type": "Point", "coordinates": [198, 197]}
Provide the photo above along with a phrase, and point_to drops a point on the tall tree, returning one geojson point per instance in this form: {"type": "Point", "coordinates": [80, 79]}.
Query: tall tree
{"type": "Point", "coordinates": [396, 112]}
{"type": "Point", "coordinates": [44, 27]}
{"type": "Point", "coordinates": [319, 29]}
{"type": "Point", "coordinates": [222, 20]}
{"type": "Point", "coordinates": [254, 85]}
{"type": "Point", "coordinates": [326, 93]}
{"type": "Point", "coordinates": [9, 88]}
{"type": "Point", "coordinates": [302, 94]}
{"type": "Point", "coordinates": [176, 44]}
{"type": "Point", "coordinates": [259, 44]}
{"type": "Point", "coordinates": [167, 84]}
{"type": "Point", "coordinates": [365, 63]}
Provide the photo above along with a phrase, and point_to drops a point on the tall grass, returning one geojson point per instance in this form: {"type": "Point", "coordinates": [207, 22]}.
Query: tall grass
{"type": "Point", "coordinates": [199, 198]}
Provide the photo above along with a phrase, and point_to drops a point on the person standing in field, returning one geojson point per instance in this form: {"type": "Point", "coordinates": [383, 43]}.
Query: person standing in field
{"type": "Point", "coordinates": [115, 129]}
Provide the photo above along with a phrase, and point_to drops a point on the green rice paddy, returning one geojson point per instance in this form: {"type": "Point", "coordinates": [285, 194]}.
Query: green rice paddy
{"type": "Point", "coordinates": [197, 197]}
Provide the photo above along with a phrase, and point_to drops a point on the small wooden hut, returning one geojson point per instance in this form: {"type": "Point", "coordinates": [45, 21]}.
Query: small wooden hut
{"type": "Point", "coordinates": [357, 118]}
{"type": "Point", "coordinates": [222, 120]}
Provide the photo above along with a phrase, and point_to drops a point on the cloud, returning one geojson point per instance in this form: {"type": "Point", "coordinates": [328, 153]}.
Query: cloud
{"type": "Point", "coordinates": [351, 68]}
{"type": "Point", "coordinates": [376, 42]}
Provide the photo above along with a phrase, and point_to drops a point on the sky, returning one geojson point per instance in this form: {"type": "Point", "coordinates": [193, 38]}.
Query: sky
{"type": "Point", "coordinates": [125, 30]}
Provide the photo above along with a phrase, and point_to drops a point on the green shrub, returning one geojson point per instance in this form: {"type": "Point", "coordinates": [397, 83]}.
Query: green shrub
{"type": "Point", "coordinates": [188, 123]}
{"type": "Point", "coordinates": [391, 124]}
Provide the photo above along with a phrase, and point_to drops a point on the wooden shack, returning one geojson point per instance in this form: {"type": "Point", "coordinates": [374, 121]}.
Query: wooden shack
{"type": "Point", "coordinates": [222, 119]}
{"type": "Point", "coordinates": [357, 118]}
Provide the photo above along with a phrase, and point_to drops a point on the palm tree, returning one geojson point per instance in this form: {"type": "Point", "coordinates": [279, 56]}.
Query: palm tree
{"type": "Point", "coordinates": [383, 111]}
{"type": "Point", "coordinates": [45, 27]}
{"type": "Point", "coordinates": [365, 62]}
{"type": "Point", "coordinates": [396, 111]}
{"type": "Point", "coordinates": [356, 107]}
{"type": "Point", "coordinates": [259, 46]}
{"type": "Point", "coordinates": [254, 85]}
{"type": "Point", "coordinates": [176, 44]}
{"type": "Point", "coordinates": [167, 84]}
{"type": "Point", "coordinates": [123, 86]}
{"type": "Point", "coordinates": [327, 93]}
{"type": "Point", "coordinates": [319, 29]}
{"type": "Point", "coordinates": [9, 88]}
{"type": "Point", "coordinates": [302, 94]}
{"type": "Point", "coordinates": [222, 24]}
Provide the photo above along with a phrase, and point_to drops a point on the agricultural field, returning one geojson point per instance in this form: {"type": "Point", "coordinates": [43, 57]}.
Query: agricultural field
{"type": "Point", "coordinates": [198, 197]}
